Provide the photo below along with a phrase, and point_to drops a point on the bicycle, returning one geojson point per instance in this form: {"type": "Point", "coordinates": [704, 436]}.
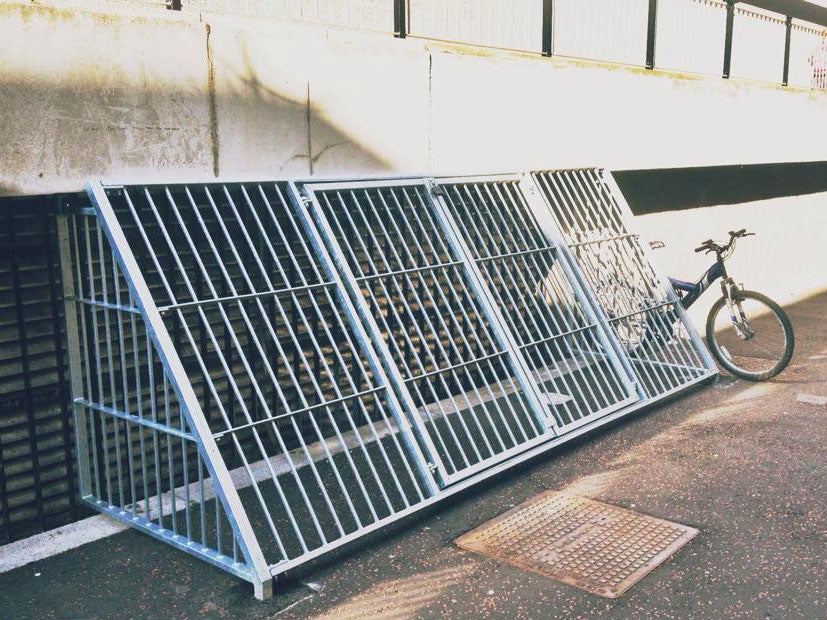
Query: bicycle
{"type": "Point", "coordinates": [747, 340]}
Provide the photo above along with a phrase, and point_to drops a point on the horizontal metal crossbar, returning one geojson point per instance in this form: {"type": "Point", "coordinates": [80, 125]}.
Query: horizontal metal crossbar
{"type": "Point", "coordinates": [164, 428]}
{"type": "Point", "coordinates": [323, 405]}
{"type": "Point", "coordinates": [107, 306]}
{"type": "Point", "coordinates": [281, 292]}
{"type": "Point", "coordinates": [390, 274]}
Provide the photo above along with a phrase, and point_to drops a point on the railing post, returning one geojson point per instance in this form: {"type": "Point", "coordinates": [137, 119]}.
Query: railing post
{"type": "Point", "coordinates": [730, 20]}
{"type": "Point", "coordinates": [548, 27]}
{"type": "Point", "coordinates": [651, 34]}
{"type": "Point", "coordinates": [400, 19]}
{"type": "Point", "coordinates": [785, 76]}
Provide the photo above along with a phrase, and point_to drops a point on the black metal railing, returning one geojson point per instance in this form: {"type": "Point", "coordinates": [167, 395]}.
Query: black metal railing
{"type": "Point", "coordinates": [724, 37]}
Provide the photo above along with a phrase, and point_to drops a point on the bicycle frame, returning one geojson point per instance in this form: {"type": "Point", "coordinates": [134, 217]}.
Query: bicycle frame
{"type": "Point", "coordinates": [691, 291]}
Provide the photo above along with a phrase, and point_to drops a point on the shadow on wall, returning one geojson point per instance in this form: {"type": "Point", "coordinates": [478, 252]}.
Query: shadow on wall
{"type": "Point", "coordinates": [195, 105]}
{"type": "Point", "coordinates": [676, 189]}
{"type": "Point", "coordinates": [266, 122]}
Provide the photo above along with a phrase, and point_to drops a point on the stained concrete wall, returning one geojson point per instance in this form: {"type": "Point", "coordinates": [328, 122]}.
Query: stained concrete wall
{"type": "Point", "coordinates": [187, 96]}
{"type": "Point", "coordinates": [166, 94]}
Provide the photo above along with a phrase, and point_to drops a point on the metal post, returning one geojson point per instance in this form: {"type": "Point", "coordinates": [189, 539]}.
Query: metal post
{"type": "Point", "coordinates": [73, 345]}
{"type": "Point", "coordinates": [56, 301]}
{"type": "Point", "coordinates": [651, 34]}
{"type": "Point", "coordinates": [400, 19]}
{"type": "Point", "coordinates": [548, 27]}
{"type": "Point", "coordinates": [730, 20]}
{"type": "Point", "coordinates": [785, 77]}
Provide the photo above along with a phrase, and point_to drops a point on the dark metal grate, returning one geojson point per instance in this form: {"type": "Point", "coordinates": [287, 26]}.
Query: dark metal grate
{"type": "Point", "coordinates": [37, 475]}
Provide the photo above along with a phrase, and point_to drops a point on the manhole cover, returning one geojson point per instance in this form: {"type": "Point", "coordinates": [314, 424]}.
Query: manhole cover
{"type": "Point", "coordinates": [594, 546]}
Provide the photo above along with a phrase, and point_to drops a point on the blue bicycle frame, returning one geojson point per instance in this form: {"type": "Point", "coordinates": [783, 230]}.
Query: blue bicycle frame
{"type": "Point", "coordinates": [688, 292]}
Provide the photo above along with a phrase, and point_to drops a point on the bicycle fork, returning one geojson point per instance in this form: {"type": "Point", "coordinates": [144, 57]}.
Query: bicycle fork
{"type": "Point", "coordinates": [736, 310]}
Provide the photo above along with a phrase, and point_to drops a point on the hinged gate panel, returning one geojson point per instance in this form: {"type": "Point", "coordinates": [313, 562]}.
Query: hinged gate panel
{"type": "Point", "coordinates": [645, 316]}
{"type": "Point", "coordinates": [543, 306]}
{"type": "Point", "coordinates": [459, 374]}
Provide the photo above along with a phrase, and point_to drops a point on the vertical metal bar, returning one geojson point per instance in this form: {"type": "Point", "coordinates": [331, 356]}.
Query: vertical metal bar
{"type": "Point", "coordinates": [125, 386]}
{"type": "Point", "coordinates": [110, 365]}
{"type": "Point", "coordinates": [548, 28]}
{"type": "Point", "coordinates": [788, 26]}
{"type": "Point", "coordinates": [98, 421]}
{"type": "Point", "coordinates": [651, 34]}
{"type": "Point", "coordinates": [156, 448]}
{"type": "Point", "coordinates": [65, 259]}
{"type": "Point", "coordinates": [262, 580]}
{"type": "Point", "coordinates": [400, 18]}
{"type": "Point", "coordinates": [139, 405]}
{"type": "Point", "coordinates": [730, 20]}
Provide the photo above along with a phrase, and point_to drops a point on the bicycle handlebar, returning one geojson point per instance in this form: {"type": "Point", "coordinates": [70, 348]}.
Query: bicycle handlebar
{"type": "Point", "coordinates": [710, 246]}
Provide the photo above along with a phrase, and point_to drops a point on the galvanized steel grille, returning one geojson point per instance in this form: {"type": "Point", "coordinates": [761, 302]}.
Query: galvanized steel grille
{"type": "Point", "coordinates": [644, 314]}
{"type": "Point", "coordinates": [137, 457]}
{"type": "Point", "coordinates": [544, 309]}
{"type": "Point", "coordinates": [264, 372]}
{"type": "Point", "coordinates": [462, 382]}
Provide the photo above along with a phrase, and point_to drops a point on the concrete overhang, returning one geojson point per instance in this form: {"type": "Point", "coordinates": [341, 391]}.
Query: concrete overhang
{"type": "Point", "coordinates": [808, 11]}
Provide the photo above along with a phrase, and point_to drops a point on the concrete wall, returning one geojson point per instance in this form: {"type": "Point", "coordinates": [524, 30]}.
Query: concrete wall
{"type": "Point", "coordinates": [177, 95]}
{"type": "Point", "coordinates": [785, 260]}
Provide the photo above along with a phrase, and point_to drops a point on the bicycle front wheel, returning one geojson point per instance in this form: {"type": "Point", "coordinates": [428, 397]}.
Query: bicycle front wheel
{"type": "Point", "coordinates": [758, 344]}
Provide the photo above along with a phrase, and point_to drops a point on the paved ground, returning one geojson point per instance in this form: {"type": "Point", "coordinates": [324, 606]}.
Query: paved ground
{"type": "Point", "coordinates": [744, 463]}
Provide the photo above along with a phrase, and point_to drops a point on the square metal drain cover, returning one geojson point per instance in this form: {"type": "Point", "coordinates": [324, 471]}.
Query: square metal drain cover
{"type": "Point", "coordinates": [600, 548]}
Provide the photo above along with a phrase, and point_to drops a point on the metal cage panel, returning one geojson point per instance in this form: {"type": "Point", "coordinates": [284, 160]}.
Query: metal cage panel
{"type": "Point", "coordinates": [661, 345]}
{"type": "Point", "coordinates": [465, 388]}
{"type": "Point", "coordinates": [285, 385]}
{"type": "Point", "coordinates": [263, 372]}
{"type": "Point", "coordinates": [138, 459]}
{"type": "Point", "coordinates": [545, 309]}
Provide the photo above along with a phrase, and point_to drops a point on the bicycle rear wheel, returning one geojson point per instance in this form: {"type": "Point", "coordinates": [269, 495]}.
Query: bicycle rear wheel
{"type": "Point", "coordinates": [757, 349]}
